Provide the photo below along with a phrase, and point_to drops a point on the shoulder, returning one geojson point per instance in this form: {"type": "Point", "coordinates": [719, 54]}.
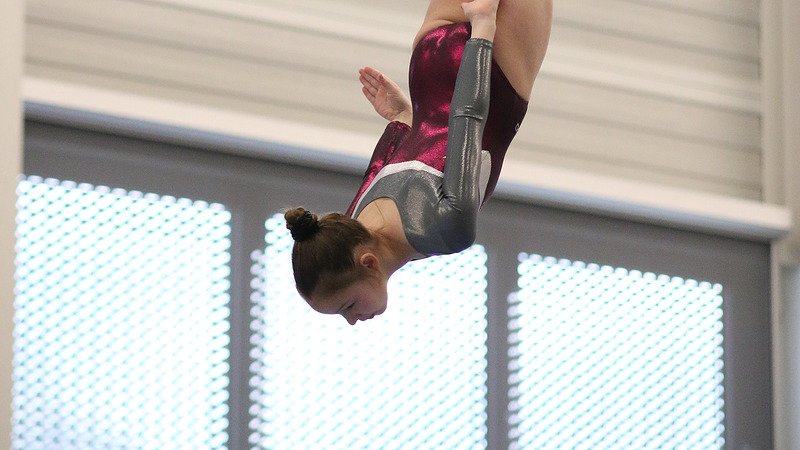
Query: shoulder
{"type": "Point", "coordinates": [410, 206]}
{"type": "Point", "coordinates": [383, 216]}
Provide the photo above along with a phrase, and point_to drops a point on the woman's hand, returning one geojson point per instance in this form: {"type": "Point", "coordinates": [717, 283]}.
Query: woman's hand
{"type": "Point", "coordinates": [482, 15]}
{"type": "Point", "coordinates": [385, 95]}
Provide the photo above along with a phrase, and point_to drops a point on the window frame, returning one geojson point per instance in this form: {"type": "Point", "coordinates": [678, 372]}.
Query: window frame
{"type": "Point", "coordinates": [192, 167]}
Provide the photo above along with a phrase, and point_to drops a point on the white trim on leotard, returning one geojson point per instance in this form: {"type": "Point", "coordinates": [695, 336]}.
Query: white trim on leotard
{"type": "Point", "coordinates": [391, 169]}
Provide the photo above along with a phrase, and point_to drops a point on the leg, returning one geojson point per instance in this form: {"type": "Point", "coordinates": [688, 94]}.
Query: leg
{"type": "Point", "coordinates": [520, 42]}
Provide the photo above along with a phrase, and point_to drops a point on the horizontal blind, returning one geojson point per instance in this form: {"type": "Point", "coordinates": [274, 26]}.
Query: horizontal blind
{"type": "Point", "coordinates": [653, 91]}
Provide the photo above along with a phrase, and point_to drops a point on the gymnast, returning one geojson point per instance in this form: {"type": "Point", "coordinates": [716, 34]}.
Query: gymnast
{"type": "Point", "coordinates": [471, 75]}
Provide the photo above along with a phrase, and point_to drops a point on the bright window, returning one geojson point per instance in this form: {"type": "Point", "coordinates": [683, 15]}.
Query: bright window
{"type": "Point", "coordinates": [121, 319]}
{"type": "Point", "coordinates": [613, 358]}
{"type": "Point", "coordinates": [414, 377]}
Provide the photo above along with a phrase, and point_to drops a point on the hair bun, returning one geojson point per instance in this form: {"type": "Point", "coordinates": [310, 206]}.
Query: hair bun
{"type": "Point", "coordinates": [301, 223]}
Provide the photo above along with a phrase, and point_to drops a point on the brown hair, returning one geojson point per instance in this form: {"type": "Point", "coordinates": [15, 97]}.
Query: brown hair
{"type": "Point", "coordinates": [322, 257]}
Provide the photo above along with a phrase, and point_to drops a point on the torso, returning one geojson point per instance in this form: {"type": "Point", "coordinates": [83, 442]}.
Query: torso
{"type": "Point", "coordinates": [408, 161]}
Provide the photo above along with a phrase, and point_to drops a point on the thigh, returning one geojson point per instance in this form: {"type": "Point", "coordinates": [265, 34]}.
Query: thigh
{"type": "Point", "coordinates": [523, 32]}
{"type": "Point", "coordinates": [520, 43]}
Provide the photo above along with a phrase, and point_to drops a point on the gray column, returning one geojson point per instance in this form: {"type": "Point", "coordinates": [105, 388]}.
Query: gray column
{"type": "Point", "coordinates": [780, 39]}
{"type": "Point", "coordinates": [11, 58]}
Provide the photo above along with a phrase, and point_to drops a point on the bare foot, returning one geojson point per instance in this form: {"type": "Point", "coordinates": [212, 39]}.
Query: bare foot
{"type": "Point", "coordinates": [482, 15]}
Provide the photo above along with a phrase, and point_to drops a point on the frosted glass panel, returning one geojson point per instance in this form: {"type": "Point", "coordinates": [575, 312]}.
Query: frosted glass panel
{"type": "Point", "coordinates": [414, 377]}
{"type": "Point", "coordinates": [121, 319]}
{"type": "Point", "coordinates": [613, 358]}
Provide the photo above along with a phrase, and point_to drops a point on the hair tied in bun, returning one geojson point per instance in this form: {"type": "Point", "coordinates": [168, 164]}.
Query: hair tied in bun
{"type": "Point", "coordinates": [304, 226]}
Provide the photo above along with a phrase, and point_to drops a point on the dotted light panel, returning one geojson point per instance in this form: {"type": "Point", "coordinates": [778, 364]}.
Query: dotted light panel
{"type": "Point", "coordinates": [414, 377]}
{"type": "Point", "coordinates": [613, 359]}
{"type": "Point", "coordinates": [121, 319]}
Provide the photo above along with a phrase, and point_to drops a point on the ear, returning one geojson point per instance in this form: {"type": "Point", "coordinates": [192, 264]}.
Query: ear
{"type": "Point", "coordinates": [369, 260]}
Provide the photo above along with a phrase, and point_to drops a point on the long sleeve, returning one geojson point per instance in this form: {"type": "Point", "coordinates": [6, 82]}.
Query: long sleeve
{"type": "Point", "coordinates": [439, 209]}
{"type": "Point", "coordinates": [460, 203]}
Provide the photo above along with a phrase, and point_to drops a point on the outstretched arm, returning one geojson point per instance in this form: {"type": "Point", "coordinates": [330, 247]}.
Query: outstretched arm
{"type": "Point", "coordinates": [385, 95]}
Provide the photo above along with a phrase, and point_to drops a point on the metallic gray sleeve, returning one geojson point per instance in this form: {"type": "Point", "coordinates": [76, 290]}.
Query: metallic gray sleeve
{"type": "Point", "coordinates": [469, 108]}
{"type": "Point", "coordinates": [440, 214]}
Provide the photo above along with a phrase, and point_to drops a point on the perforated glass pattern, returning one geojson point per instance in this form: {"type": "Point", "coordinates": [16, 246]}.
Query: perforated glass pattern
{"type": "Point", "coordinates": [121, 319]}
{"type": "Point", "coordinates": [611, 358]}
{"type": "Point", "coordinates": [414, 377]}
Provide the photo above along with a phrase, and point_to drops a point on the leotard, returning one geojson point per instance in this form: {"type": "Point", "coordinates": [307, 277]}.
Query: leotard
{"type": "Point", "coordinates": [457, 93]}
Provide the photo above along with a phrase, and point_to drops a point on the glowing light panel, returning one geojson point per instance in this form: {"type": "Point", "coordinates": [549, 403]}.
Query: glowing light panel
{"type": "Point", "coordinates": [414, 377]}
{"type": "Point", "coordinates": [121, 319]}
{"type": "Point", "coordinates": [611, 358]}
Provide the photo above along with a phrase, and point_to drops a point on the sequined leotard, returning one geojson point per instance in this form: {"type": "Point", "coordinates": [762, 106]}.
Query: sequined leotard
{"type": "Point", "coordinates": [409, 163]}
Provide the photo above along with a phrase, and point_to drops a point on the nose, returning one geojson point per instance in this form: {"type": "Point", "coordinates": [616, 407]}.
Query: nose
{"type": "Point", "coordinates": [351, 319]}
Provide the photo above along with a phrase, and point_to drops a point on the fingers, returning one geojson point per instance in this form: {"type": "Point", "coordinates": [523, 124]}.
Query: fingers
{"type": "Point", "coordinates": [371, 81]}
{"type": "Point", "coordinates": [369, 89]}
{"type": "Point", "coordinates": [371, 72]}
{"type": "Point", "coordinates": [369, 94]}
{"type": "Point", "coordinates": [371, 77]}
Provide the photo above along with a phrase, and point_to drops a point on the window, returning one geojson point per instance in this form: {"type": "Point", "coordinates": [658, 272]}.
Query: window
{"type": "Point", "coordinates": [607, 358]}
{"type": "Point", "coordinates": [121, 319]}
{"type": "Point", "coordinates": [415, 377]}
{"type": "Point", "coordinates": [182, 325]}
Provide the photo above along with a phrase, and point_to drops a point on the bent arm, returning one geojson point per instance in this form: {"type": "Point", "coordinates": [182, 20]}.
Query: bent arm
{"type": "Point", "coordinates": [469, 108]}
{"type": "Point", "coordinates": [385, 96]}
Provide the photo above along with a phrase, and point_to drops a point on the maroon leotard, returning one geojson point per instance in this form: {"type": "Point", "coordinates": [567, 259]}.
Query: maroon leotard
{"type": "Point", "coordinates": [432, 76]}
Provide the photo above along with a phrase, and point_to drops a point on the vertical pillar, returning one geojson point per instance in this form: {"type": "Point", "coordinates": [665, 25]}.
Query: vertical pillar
{"type": "Point", "coordinates": [780, 40]}
{"type": "Point", "coordinates": [11, 60]}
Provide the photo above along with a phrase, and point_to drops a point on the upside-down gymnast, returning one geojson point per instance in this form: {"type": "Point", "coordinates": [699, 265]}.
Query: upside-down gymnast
{"type": "Point", "coordinates": [470, 79]}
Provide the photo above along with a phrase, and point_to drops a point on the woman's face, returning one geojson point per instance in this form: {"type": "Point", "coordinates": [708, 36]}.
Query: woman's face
{"type": "Point", "coordinates": [362, 300]}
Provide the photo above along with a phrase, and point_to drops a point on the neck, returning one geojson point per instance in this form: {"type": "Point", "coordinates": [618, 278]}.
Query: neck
{"type": "Point", "coordinates": [394, 254]}
{"type": "Point", "coordinates": [382, 219]}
